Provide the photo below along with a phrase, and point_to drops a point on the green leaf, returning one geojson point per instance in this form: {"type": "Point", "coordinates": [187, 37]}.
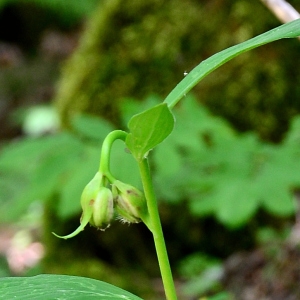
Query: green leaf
{"type": "Point", "coordinates": [123, 165]}
{"type": "Point", "coordinates": [24, 153]}
{"type": "Point", "coordinates": [91, 127]}
{"type": "Point", "coordinates": [237, 204]}
{"type": "Point", "coordinates": [278, 175]}
{"type": "Point", "coordinates": [48, 287]}
{"type": "Point", "coordinates": [131, 106]}
{"type": "Point", "coordinates": [289, 30]}
{"type": "Point", "coordinates": [83, 170]}
{"type": "Point", "coordinates": [167, 159]}
{"type": "Point", "coordinates": [148, 129]}
{"type": "Point", "coordinates": [46, 170]}
{"type": "Point", "coordinates": [203, 206]}
{"type": "Point", "coordinates": [278, 200]}
{"type": "Point", "coordinates": [293, 135]}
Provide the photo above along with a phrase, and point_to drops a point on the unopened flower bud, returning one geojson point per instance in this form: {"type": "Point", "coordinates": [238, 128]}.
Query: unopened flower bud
{"type": "Point", "coordinates": [97, 206]}
{"type": "Point", "coordinates": [103, 208]}
{"type": "Point", "coordinates": [130, 203]}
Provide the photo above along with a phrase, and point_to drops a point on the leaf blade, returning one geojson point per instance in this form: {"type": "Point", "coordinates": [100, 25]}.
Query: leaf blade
{"type": "Point", "coordinates": [288, 30]}
{"type": "Point", "coordinates": [148, 129]}
{"type": "Point", "coordinates": [46, 287]}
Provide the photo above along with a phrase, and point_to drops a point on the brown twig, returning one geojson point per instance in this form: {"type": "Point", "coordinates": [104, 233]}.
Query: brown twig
{"type": "Point", "coordinates": [284, 11]}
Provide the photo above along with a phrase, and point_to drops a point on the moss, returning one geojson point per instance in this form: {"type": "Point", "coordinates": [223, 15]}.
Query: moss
{"type": "Point", "coordinates": [133, 48]}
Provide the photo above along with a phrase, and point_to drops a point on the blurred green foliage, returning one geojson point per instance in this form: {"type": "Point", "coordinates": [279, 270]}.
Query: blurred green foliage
{"type": "Point", "coordinates": [202, 274]}
{"type": "Point", "coordinates": [221, 173]}
{"type": "Point", "coordinates": [146, 47]}
{"type": "Point", "coordinates": [204, 163]}
{"type": "Point", "coordinates": [68, 10]}
{"type": "Point", "coordinates": [135, 48]}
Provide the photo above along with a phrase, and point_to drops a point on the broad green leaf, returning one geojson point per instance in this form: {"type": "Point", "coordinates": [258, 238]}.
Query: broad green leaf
{"type": "Point", "coordinates": [167, 159]}
{"type": "Point", "coordinates": [130, 107]}
{"type": "Point", "coordinates": [62, 287]}
{"type": "Point", "coordinates": [23, 154]}
{"type": "Point", "coordinates": [203, 206]}
{"type": "Point", "coordinates": [196, 117]}
{"type": "Point", "coordinates": [54, 158]}
{"type": "Point", "coordinates": [203, 129]}
{"type": "Point", "coordinates": [148, 129]}
{"type": "Point", "coordinates": [275, 194]}
{"type": "Point", "coordinates": [278, 176]}
{"type": "Point", "coordinates": [91, 126]}
{"type": "Point", "coordinates": [236, 203]}
{"type": "Point", "coordinates": [289, 30]}
{"type": "Point", "coordinates": [123, 165]}
{"type": "Point", "coordinates": [82, 171]}
{"type": "Point", "coordinates": [293, 135]}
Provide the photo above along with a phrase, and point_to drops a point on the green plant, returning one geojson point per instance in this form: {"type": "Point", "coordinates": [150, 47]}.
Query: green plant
{"type": "Point", "coordinates": [202, 274]}
{"type": "Point", "coordinates": [69, 11]}
{"type": "Point", "coordinates": [146, 131]}
{"type": "Point", "coordinates": [223, 174]}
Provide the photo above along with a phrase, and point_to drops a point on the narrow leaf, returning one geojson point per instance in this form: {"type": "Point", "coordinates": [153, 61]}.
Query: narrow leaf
{"type": "Point", "coordinates": [47, 287]}
{"type": "Point", "coordinates": [288, 30]}
{"type": "Point", "coordinates": [148, 129]}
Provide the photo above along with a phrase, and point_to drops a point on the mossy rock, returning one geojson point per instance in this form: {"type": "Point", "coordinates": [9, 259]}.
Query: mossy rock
{"type": "Point", "coordinates": [134, 48]}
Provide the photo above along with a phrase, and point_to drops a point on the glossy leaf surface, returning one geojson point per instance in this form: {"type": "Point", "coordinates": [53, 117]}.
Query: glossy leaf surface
{"type": "Point", "coordinates": [48, 287]}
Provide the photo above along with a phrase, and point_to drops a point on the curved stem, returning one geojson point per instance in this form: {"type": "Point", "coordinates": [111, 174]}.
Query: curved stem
{"type": "Point", "coordinates": [106, 150]}
{"type": "Point", "coordinates": [155, 227]}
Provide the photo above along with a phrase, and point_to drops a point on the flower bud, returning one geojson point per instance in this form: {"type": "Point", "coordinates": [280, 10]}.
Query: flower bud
{"type": "Point", "coordinates": [103, 208]}
{"type": "Point", "coordinates": [97, 206]}
{"type": "Point", "coordinates": [130, 203]}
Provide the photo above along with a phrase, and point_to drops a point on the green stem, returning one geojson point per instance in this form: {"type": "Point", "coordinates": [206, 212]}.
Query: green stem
{"type": "Point", "coordinates": [106, 150]}
{"type": "Point", "coordinates": [157, 232]}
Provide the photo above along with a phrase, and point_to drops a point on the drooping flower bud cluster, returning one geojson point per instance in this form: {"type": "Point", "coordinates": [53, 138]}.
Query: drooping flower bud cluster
{"type": "Point", "coordinates": [129, 201]}
{"type": "Point", "coordinates": [100, 203]}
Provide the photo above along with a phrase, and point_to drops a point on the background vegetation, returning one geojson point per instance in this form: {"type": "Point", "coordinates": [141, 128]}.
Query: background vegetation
{"type": "Point", "coordinates": [226, 179]}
